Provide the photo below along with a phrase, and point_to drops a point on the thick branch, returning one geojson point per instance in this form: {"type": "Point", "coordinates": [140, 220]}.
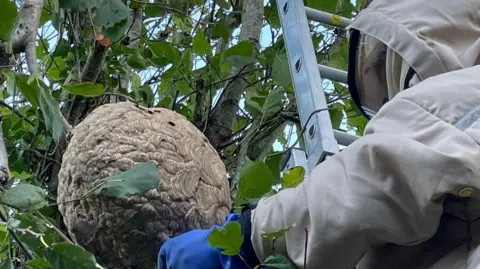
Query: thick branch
{"type": "Point", "coordinates": [224, 113]}
{"type": "Point", "coordinates": [25, 32]}
{"type": "Point", "coordinates": [4, 170]}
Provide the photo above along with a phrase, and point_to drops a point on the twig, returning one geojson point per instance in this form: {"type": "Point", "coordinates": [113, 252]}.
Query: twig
{"type": "Point", "coordinates": [121, 95]}
{"type": "Point", "coordinates": [20, 115]}
{"type": "Point", "coordinates": [64, 237]}
{"type": "Point", "coordinates": [304, 128]}
{"type": "Point", "coordinates": [15, 237]}
{"type": "Point", "coordinates": [244, 261]}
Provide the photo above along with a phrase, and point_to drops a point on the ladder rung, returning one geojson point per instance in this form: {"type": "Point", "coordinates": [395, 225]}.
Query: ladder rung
{"type": "Point", "coordinates": [333, 74]}
{"type": "Point", "coordinates": [343, 138]}
{"type": "Point", "coordinates": [327, 18]}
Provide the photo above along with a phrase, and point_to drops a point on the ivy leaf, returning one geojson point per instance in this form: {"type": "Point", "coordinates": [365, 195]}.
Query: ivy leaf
{"type": "Point", "coordinates": [51, 113]}
{"type": "Point", "coordinates": [8, 13]}
{"type": "Point", "coordinates": [65, 255]}
{"type": "Point", "coordinates": [281, 70]}
{"type": "Point", "coordinates": [241, 61]}
{"type": "Point", "coordinates": [137, 180]}
{"type": "Point", "coordinates": [77, 5]}
{"type": "Point", "coordinates": [165, 49]}
{"type": "Point", "coordinates": [256, 179]}
{"type": "Point", "coordinates": [293, 177]}
{"type": "Point", "coordinates": [25, 196]}
{"type": "Point", "coordinates": [230, 239]}
{"type": "Point", "coordinates": [200, 44]}
{"type": "Point", "coordinates": [110, 12]}
{"type": "Point", "coordinates": [136, 61]}
{"type": "Point", "coordinates": [278, 261]}
{"type": "Point", "coordinates": [88, 89]}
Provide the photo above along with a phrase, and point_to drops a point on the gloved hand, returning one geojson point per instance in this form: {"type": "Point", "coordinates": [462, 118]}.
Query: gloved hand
{"type": "Point", "coordinates": [191, 250]}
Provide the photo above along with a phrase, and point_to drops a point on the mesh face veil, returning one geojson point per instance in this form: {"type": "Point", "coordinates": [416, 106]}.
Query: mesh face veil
{"type": "Point", "coordinates": [371, 75]}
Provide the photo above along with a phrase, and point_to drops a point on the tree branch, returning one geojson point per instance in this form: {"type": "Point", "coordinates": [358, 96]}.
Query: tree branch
{"type": "Point", "coordinates": [25, 32]}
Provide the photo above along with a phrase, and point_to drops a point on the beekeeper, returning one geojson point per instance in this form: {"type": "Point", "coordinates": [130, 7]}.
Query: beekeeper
{"type": "Point", "coordinates": [406, 194]}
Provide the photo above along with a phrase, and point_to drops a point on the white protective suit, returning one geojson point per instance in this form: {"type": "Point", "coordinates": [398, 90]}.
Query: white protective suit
{"type": "Point", "coordinates": [406, 194]}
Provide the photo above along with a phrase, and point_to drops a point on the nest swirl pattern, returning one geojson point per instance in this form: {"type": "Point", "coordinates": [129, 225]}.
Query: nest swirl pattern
{"type": "Point", "coordinates": [127, 232]}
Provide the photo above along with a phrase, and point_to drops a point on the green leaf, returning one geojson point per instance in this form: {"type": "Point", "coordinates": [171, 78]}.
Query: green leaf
{"type": "Point", "coordinates": [51, 113]}
{"type": "Point", "coordinates": [293, 177]}
{"type": "Point", "coordinates": [25, 196]}
{"type": "Point", "coordinates": [275, 162]}
{"type": "Point", "coordinates": [256, 179]}
{"type": "Point", "coordinates": [339, 58]}
{"type": "Point", "coordinates": [137, 180]}
{"type": "Point", "coordinates": [220, 30]}
{"type": "Point", "coordinates": [273, 103]}
{"type": "Point", "coordinates": [200, 44]}
{"type": "Point", "coordinates": [77, 5]}
{"type": "Point", "coordinates": [154, 11]}
{"type": "Point", "coordinates": [278, 261]}
{"type": "Point", "coordinates": [241, 61]}
{"type": "Point", "coordinates": [38, 264]}
{"type": "Point", "coordinates": [243, 48]}
{"type": "Point", "coordinates": [323, 5]}
{"type": "Point", "coordinates": [281, 70]}
{"type": "Point", "coordinates": [8, 13]}
{"type": "Point", "coordinates": [117, 31]}
{"type": "Point", "coordinates": [271, 15]}
{"type": "Point", "coordinates": [29, 91]}
{"type": "Point", "coordinates": [137, 61]}
{"type": "Point", "coordinates": [88, 89]}
{"type": "Point", "coordinates": [277, 234]}
{"type": "Point", "coordinates": [336, 115]}
{"type": "Point", "coordinates": [230, 239]}
{"type": "Point", "coordinates": [223, 4]}
{"type": "Point", "coordinates": [23, 175]}
{"type": "Point", "coordinates": [165, 49]}
{"type": "Point", "coordinates": [68, 256]}
{"type": "Point", "coordinates": [110, 12]}
{"type": "Point", "coordinates": [6, 263]}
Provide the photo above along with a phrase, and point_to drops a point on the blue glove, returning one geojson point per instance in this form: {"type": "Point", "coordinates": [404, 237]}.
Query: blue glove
{"type": "Point", "coordinates": [191, 250]}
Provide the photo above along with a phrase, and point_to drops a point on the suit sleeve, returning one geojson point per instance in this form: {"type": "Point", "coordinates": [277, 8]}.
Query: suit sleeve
{"type": "Point", "coordinates": [387, 187]}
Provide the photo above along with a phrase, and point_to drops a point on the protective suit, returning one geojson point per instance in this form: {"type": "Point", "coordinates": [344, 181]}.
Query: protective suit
{"type": "Point", "coordinates": [406, 194]}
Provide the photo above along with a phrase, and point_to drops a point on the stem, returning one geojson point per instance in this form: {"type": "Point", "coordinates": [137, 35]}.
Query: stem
{"type": "Point", "coordinates": [64, 237]}
{"type": "Point", "coordinates": [244, 261]}
{"type": "Point", "coordinates": [17, 240]}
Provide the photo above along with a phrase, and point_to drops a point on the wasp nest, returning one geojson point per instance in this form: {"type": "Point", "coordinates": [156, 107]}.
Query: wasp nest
{"type": "Point", "coordinates": [127, 232]}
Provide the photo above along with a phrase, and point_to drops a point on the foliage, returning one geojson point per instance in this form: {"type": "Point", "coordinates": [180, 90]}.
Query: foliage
{"type": "Point", "coordinates": [183, 56]}
{"type": "Point", "coordinates": [137, 180]}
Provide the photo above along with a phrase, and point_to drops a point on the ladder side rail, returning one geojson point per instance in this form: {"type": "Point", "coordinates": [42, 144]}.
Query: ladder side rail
{"type": "Point", "coordinates": [319, 136]}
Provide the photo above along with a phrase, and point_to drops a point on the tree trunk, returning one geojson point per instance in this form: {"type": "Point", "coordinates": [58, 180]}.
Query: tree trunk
{"type": "Point", "coordinates": [223, 116]}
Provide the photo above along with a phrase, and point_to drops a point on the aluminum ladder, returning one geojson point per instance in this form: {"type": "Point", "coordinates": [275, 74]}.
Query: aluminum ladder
{"type": "Point", "coordinates": [321, 140]}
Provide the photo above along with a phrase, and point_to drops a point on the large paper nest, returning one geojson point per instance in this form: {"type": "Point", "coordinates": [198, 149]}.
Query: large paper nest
{"type": "Point", "coordinates": [127, 232]}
